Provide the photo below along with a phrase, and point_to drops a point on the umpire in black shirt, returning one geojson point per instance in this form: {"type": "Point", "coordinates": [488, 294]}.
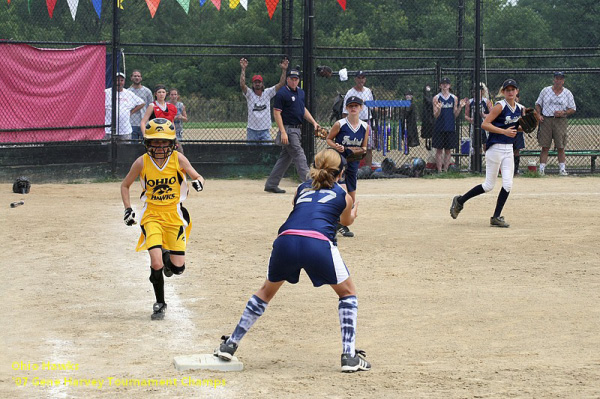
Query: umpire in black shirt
{"type": "Point", "coordinates": [289, 112]}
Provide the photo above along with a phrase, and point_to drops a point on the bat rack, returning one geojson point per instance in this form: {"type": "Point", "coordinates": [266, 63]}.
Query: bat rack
{"type": "Point", "coordinates": [388, 125]}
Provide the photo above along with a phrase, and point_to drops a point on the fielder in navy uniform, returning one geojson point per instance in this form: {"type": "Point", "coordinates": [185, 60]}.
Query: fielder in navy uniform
{"type": "Point", "coordinates": [502, 124]}
{"type": "Point", "coordinates": [307, 241]}
{"type": "Point", "coordinates": [349, 132]}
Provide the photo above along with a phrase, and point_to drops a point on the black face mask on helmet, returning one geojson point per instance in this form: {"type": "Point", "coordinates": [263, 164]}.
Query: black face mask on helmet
{"type": "Point", "coordinates": [159, 129]}
{"type": "Point", "coordinates": [155, 151]}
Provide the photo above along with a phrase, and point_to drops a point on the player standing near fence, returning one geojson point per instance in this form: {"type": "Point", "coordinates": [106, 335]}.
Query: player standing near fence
{"type": "Point", "coordinates": [446, 108]}
{"type": "Point", "coordinates": [501, 124]}
{"type": "Point", "coordinates": [307, 241]}
{"type": "Point", "coordinates": [349, 132]}
{"type": "Point", "coordinates": [165, 223]}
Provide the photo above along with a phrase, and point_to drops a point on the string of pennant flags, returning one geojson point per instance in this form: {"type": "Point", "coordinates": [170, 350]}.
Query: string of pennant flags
{"type": "Point", "coordinates": [153, 5]}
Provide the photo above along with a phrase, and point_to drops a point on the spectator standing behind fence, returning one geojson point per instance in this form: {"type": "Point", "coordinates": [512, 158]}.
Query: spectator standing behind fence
{"type": "Point", "coordinates": [446, 108]}
{"type": "Point", "coordinates": [127, 104]}
{"type": "Point", "coordinates": [159, 108]}
{"type": "Point", "coordinates": [179, 118]}
{"type": "Point", "coordinates": [145, 94]}
{"type": "Point", "coordinates": [364, 93]}
{"type": "Point", "coordinates": [289, 113]}
{"type": "Point", "coordinates": [554, 104]}
{"type": "Point", "coordinates": [259, 103]}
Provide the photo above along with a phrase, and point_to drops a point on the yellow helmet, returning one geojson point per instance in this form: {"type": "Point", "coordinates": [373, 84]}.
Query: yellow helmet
{"type": "Point", "coordinates": [159, 128]}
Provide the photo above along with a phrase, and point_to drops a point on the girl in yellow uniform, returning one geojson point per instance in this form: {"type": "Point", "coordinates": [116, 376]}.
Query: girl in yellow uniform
{"type": "Point", "coordinates": [165, 223]}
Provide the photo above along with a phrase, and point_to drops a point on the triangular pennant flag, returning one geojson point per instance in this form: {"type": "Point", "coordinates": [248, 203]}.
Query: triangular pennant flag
{"type": "Point", "coordinates": [342, 3]}
{"type": "Point", "coordinates": [271, 6]}
{"type": "Point", "coordinates": [202, 2]}
{"type": "Point", "coordinates": [152, 6]}
{"type": "Point", "coordinates": [185, 4]}
{"type": "Point", "coordinates": [217, 4]}
{"type": "Point", "coordinates": [50, 4]}
{"type": "Point", "coordinates": [73, 7]}
{"type": "Point", "coordinates": [244, 4]}
{"type": "Point", "coordinates": [98, 7]}
{"type": "Point", "coordinates": [233, 3]}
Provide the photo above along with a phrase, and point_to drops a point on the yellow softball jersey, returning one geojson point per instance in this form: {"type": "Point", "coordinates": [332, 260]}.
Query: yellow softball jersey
{"type": "Point", "coordinates": [164, 220]}
{"type": "Point", "coordinates": [163, 186]}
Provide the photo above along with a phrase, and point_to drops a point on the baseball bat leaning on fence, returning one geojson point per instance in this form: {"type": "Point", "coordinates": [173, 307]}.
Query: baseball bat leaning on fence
{"type": "Point", "coordinates": [405, 128]}
{"type": "Point", "coordinates": [395, 131]}
{"type": "Point", "coordinates": [375, 131]}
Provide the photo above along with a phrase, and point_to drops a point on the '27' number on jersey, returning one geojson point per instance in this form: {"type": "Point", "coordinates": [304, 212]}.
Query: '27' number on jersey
{"type": "Point", "coordinates": [307, 196]}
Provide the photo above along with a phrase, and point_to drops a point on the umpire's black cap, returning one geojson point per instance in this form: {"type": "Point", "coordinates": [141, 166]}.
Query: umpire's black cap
{"type": "Point", "coordinates": [354, 100]}
{"type": "Point", "coordinates": [510, 82]}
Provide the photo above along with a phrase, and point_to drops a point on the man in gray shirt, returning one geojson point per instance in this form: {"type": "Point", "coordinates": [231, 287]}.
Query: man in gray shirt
{"type": "Point", "coordinates": [145, 94]}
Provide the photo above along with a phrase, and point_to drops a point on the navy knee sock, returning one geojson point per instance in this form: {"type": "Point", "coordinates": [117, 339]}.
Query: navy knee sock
{"type": "Point", "coordinates": [475, 191]}
{"type": "Point", "coordinates": [502, 197]}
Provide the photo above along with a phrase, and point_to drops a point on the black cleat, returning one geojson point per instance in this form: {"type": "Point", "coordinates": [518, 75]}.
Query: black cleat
{"type": "Point", "coordinates": [166, 258]}
{"type": "Point", "coordinates": [158, 311]}
{"type": "Point", "coordinates": [226, 350]}
{"type": "Point", "coordinates": [351, 364]}
{"type": "Point", "coordinates": [456, 207]}
{"type": "Point", "coordinates": [344, 231]}
{"type": "Point", "coordinates": [275, 190]}
{"type": "Point", "coordinates": [498, 222]}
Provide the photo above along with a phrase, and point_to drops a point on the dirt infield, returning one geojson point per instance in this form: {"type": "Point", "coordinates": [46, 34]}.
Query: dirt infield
{"type": "Point", "coordinates": [447, 308]}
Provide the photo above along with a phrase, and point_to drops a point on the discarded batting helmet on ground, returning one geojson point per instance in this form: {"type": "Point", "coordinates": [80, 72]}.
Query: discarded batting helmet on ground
{"type": "Point", "coordinates": [364, 172]}
{"type": "Point", "coordinates": [418, 167]}
{"type": "Point", "coordinates": [21, 185]}
{"type": "Point", "coordinates": [388, 166]}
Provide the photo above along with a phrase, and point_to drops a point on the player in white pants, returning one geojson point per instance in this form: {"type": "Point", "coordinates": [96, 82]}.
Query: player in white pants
{"type": "Point", "coordinates": [502, 124]}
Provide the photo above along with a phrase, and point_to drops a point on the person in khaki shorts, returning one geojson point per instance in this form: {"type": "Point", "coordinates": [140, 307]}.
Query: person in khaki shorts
{"type": "Point", "coordinates": [554, 104]}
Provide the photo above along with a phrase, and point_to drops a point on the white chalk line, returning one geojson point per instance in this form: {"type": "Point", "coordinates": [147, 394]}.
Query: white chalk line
{"type": "Point", "coordinates": [435, 195]}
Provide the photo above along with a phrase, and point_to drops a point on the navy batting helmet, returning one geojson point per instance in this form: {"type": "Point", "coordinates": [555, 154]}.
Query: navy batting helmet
{"type": "Point", "coordinates": [418, 166]}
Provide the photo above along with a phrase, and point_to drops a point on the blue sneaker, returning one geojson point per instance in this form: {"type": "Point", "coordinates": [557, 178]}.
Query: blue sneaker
{"type": "Point", "coordinates": [226, 350]}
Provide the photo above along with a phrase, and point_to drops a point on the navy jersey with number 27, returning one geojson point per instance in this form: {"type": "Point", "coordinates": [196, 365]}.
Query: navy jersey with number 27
{"type": "Point", "coordinates": [316, 210]}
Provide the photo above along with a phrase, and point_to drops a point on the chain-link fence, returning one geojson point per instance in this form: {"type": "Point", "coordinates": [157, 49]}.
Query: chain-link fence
{"type": "Point", "coordinates": [59, 95]}
{"type": "Point", "coordinates": [405, 49]}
